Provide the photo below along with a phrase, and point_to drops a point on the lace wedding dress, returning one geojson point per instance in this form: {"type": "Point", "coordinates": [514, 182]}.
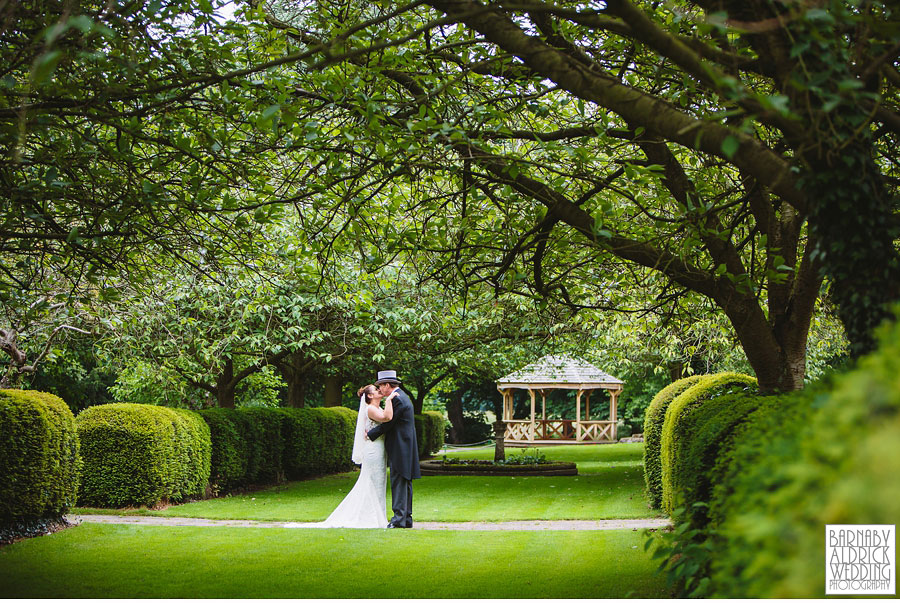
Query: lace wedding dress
{"type": "Point", "coordinates": [365, 506]}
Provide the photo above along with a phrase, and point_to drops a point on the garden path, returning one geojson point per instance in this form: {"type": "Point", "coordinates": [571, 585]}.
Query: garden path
{"type": "Point", "coordinates": [603, 524]}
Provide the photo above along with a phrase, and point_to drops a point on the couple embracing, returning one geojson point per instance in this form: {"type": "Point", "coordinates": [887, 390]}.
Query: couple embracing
{"type": "Point", "coordinates": [365, 506]}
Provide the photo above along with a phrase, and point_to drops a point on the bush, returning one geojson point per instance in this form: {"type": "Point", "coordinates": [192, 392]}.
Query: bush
{"type": "Point", "coordinates": [677, 426]}
{"type": "Point", "coordinates": [709, 434]}
{"type": "Point", "coordinates": [256, 446]}
{"type": "Point", "coordinates": [39, 457]}
{"type": "Point", "coordinates": [229, 462]}
{"type": "Point", "coordinates": [429, 432]}
{"type": "Point", "coordinates": [135, 454]}
{"type": "Point", "coordinates": [826, 455]}
{"type": "Point", "coordinates": [653, 422]}
{"type": "Point", "coordinates": [317, 440]}
{"type": "Point", "coordinates": [261, 431]}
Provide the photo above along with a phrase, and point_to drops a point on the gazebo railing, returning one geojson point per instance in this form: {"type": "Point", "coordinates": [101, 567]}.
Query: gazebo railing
{"type": "Point", "coordinates": [520, 430]}
{"type": "Point", "coordinates": [597, 431]}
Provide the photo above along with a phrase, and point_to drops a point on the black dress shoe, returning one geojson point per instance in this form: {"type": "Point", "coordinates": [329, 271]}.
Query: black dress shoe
{"type": "Point", "coordinates": [392, 525]}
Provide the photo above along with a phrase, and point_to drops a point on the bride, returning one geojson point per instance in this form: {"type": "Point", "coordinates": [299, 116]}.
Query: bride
{"type": "Point", "coordinates": [365, 505]}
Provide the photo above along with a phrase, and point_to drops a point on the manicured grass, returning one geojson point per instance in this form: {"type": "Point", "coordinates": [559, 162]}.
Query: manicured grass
{"type": "Point", "coordinates": [112, 561]}
{"type": "Point", "coordinates": [610, 485]}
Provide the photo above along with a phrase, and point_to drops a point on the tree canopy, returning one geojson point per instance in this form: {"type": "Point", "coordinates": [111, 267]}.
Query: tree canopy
{"type": "Point", "coordinates": [638, 157]}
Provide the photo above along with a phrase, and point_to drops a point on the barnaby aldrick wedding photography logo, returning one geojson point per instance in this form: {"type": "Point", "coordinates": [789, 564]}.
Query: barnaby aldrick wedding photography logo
{"type": "Point", "coordinates": [860, 560]}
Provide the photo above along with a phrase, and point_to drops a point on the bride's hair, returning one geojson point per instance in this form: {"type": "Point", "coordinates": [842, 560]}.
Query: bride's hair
{"type": "Point", "coordinates": [369, 390]}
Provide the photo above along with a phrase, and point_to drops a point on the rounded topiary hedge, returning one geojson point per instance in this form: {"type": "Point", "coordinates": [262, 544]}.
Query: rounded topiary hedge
{"type": "Point", "coordinates": [677, 427]}
{"type": "Point", "coordinates": [39, 457]}
{"type": "Point", "coordinates": [429, 432]}
{"type": "Point", "coordinates": [830, 455]}
{"type": "Point", "coordinates": [138, 454]}
{"type": "Point", "coordinates": [709, 434]}
{"type": "Point", "coordinates": [653, 423]}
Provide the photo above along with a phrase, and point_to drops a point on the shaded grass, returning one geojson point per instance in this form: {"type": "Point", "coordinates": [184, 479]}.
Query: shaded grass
{"type": "Point", "coordinates": [610, 485]}
{"type": "Point", "coordinates": [107, 561]}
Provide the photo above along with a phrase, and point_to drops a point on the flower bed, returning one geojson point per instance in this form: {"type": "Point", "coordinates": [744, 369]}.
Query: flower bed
{"type": "Point", "coordinates": [472, 467]}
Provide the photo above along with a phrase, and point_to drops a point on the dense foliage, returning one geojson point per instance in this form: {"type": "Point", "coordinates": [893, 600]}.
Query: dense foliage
{"type": "Point", "coordinates": [676, 431]}
{"type": "Point", "coordinates": [429, 432]}
{"type": "Point", "coordinates": [653, 426]}
{"type": "Point", "coordinates": [40, 464]}
{"type": "Point", "coordinates": [781, 472]}
{"type": "Point", "coordinates": [136, 454]}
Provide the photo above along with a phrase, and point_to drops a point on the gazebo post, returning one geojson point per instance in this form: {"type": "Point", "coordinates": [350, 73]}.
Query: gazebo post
{"type": "Point", "coordinates": [613, 399]}
{"type": "Point", "coordinates": [578, 416]}
{"type": "Point", "coordinates": [531, 430]}
{"type": "Point", "coordinates": [543, 414]}
{"type": "Point", "coordinates": [587, 406]}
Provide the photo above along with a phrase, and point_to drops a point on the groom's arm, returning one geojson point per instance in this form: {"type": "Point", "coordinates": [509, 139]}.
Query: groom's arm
{"type": "Point", "coordinates": [374, 433]}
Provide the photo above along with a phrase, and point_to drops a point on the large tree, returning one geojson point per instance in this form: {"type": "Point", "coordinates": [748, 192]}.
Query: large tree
{"type": "Point", "coordinates": [742, 151]}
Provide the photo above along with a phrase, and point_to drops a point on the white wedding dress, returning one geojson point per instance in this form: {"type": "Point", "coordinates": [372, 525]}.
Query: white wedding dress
{"type": "Point", "coordinates": [365, 506]}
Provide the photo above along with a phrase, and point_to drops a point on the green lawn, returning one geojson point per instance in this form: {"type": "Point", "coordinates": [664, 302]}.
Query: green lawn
{"type": "Point", "coordinates": [610, 485]}
{"type": "Point", "coordinates": [131, 561]}
{"type": "Point", "coordinates": [112, 561]}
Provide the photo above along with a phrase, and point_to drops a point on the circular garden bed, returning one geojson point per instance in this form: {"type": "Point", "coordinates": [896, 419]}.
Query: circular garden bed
{"type": "Point", "coordinates": [472, 467]}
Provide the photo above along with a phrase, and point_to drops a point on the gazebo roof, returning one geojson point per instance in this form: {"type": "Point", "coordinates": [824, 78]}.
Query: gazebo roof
{"type": "Point", "coordinates": [559, 371]}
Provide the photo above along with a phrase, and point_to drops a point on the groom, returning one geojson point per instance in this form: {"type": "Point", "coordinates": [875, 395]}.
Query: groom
{"type": "Point", "coordinates": [402, 449]}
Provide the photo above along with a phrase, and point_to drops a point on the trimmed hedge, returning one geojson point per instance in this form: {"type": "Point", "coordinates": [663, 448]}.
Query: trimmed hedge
{"type": "Point", "coordinates": [256, 446]}
{"type": "Point", "coordinates": [317, 440]}
{"type": "Point", "coordinates": [429, 432]}
{"type": "Point", "coordinates": [228, 467]}
{"type": "Point", "coordinates": [677, 428]}
{"type": "Point", "coordinates": [827, 455]}
{"type": "Point", "coordinates": [137, 454]}
{"type": "Point", "coordinates": [709, 434]}
{"type": "Point", "coordinates": [39, 457]}
{"type": "Point", "coordinates": [653, 423]}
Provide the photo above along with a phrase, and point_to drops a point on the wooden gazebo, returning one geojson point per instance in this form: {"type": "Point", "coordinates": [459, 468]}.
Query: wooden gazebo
{"type": "Point", "coordinates": [559, 372]}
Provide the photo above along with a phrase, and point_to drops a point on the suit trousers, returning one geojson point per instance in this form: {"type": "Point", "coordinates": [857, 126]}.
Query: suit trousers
{"type": "Point", "coordinates": [401, 500]}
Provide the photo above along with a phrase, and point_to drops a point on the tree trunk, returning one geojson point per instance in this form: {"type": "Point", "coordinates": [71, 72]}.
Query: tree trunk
{"type": "Point", "coordinates": [334, 384]}
{"type": "Point", "coordinates": [225, 385]}
{"type": "Point", "coordinates": [455, 415]}
{"type": "Point", "coordinates": [296, 392]}
{"type": "Point", "coordinates": [499, 435]}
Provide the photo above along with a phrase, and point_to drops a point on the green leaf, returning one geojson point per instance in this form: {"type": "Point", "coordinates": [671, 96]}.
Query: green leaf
{"type": "Point", "coordinates": [730, 146]}
{"type": "Point", "coordinates": [44, 66]}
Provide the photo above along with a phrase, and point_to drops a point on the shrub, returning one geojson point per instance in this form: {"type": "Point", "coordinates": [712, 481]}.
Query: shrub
{"type": "Point", "coordinates": [136, 454]}
{"type": "Point", "coordinates": [709, 434]}
{"type": "Point", "coordinates": [255, 446]}
{"type": "Point", "coordinates": [826, 455]}
{"type": "Point", "coordinates": [676, 428]}
{"type": "Point", "coordinates": [260, 429]}
{"type": "Point", "coordinates": [317, 440]}
{"type": "Point", "coordinates": [229, 461]}
{"type": "Point", "coordinates": [39, 457]}
{"type": "Point", "coordinates": [831, 458]}
{"type": "Point", "coordinates": [653, 422]}
{"type": "Point", "coordinates": [434, 435]}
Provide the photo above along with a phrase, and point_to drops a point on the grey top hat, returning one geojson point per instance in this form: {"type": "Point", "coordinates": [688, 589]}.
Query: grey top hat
{"type": "Point", "coordinates": [387, 377]}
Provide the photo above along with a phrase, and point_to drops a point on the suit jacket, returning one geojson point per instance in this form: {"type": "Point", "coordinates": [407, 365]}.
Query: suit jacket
{"type": "Point", "coordinates": [400, 438]}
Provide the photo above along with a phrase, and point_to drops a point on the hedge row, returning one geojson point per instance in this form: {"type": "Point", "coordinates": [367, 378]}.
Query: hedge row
{"type": "Point", "coordinates": [653, 424]}
{"type": "Point", "coordinates": [679, 424]}
{"type": "Point", "coordinates": [429, 432]}
{"type": "Point", "coordinates": [770, 472]}
{"type": "Point", "coordinates": [137, 454]}
{"type": "Point", "coordinates": [39, 457]}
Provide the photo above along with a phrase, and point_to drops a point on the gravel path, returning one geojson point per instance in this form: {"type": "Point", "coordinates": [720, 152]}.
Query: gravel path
{"type": "Point", "coordinates": [605, 524]}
